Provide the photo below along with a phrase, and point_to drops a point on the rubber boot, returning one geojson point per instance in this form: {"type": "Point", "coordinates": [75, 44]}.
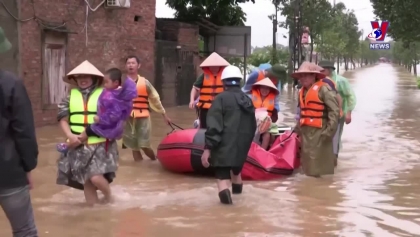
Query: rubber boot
{"type": "Point", "coordinates": [237, 188]}
{"type": "Point", "coordinates": [225, 197]}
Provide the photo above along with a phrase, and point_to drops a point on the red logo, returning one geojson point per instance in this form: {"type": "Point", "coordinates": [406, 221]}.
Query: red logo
{"type": "Point", "coordinates": [382, 29]}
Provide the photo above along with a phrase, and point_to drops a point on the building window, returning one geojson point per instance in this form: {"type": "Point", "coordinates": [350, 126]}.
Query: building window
{"type": "Point", "coordinates": [54, 61]}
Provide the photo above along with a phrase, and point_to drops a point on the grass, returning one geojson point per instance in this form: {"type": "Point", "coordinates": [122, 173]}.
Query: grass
{"type": "Point", "coordinates": [418, 82]}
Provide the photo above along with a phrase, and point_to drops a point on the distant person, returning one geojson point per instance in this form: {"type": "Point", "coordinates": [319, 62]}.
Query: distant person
{"type": "Point", "coordinates": [18, 151]}
{"type": "Point", "coordinates": [231, 127]}
{"type": "Point", "coordinates": [208, 86]}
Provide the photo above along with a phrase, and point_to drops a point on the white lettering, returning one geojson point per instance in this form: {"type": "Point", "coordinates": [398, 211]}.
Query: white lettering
{"type": "Point", "coordinates": [380, 46]}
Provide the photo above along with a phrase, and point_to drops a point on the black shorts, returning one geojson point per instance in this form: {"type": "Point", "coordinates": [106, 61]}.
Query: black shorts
{"type": "Point", "coordinates": [223, 173]}
{"type": "Point", "coordinates": [202, 115]}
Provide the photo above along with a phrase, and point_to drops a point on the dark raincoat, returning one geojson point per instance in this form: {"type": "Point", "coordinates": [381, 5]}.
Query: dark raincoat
{"type": "Point", "coordinates": [231, 126]}
{"type": "Point", "coordinates": [317, 155]}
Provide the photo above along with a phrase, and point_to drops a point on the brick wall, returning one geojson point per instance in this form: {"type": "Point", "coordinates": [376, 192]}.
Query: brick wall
{"type": "Point", "coordinates": [112, 35]}
{"type": "Point", "coordinates": [184, 33]}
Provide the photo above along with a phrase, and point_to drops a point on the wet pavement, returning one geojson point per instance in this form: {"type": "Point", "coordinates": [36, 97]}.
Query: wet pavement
{"type": "Point", "coordinates": [375, 191]}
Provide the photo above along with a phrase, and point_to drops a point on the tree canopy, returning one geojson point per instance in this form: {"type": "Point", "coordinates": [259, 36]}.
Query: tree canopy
{"type": "Point", "coordinates": [334, 31]}
{"type": "Point", "coordinates": [219, 12]}
{"type": "Point", "coordinates": [404, 19]}
{"type": "Point", "coordinates": [402, 15]}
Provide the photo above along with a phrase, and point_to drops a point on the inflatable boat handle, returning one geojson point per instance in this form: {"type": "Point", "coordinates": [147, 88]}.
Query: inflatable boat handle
{"type": "Point", "coordinates": [174, 127]}
{"type": "Point", "coordinates": [287, 138]}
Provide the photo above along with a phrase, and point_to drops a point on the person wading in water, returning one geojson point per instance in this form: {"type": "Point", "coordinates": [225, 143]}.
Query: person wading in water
{"type": "Point", "coordinates": [90, 166]}
{"type": "Point", "coordinates": [231, 126]}
{"type": "Point", "coordinates": [333, 86]}
{"type": "Point", "coordinates": [138, 127]}
{"type": "Point", "coordinates": [319, 113]}
{"type": "Point", "coordinates": [348, 100]}
{"type": "Point", "coordinates": [208, 85]}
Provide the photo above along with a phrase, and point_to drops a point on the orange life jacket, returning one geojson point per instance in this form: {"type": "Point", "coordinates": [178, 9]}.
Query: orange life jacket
{"type": "Point", "coordinates": [141, 103]}
{"type": "Point", "coordinates": [336, 88]}
{"type": "Point", "coordinates": [261, 75]}
{"type": "Point", "coordinates": [212, 86]}
{"type": "Point", "coordinates": [267, 103]}
{"type": "Point", "coordinates": [312, 109]}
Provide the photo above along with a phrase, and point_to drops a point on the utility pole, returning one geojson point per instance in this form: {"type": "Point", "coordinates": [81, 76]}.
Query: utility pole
{"type": "Point", "coordinates": [276, 4]}
{"type": "Point", "coordinates": [295, 38]}
{"type": "Point", "coordinates": [338, 57]}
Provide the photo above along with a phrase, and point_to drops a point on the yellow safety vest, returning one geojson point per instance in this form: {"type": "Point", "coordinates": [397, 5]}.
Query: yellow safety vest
{"type": "Point", "coordinates": [82, 114]}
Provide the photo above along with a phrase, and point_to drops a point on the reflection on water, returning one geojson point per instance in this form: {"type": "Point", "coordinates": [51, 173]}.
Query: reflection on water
{"type": "Point", "coordinates": [373, 193]}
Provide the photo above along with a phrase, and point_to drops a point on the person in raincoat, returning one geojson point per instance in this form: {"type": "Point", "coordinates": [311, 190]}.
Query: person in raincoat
{"type": "Point", "coordinates": [138, 127]}
{"type": "Point", "coordinates": [90, 166]}
{"type": "Point", "coordinates": [208, 85]}
{"type": "Point", "coordinates": [18, 150]}
{"type": "Point", "coordinates": [333, 86]}
{"type": "Point", "coordinates": [348, 97]}
{"type": "Point", "coordinates": [231, 126]}
{"type": "Point", "coordinates": [263, 95]}
{"type": "Point", "coordinates": [318, 121]}
{"type": "Point", "coordinates": [275, 73]}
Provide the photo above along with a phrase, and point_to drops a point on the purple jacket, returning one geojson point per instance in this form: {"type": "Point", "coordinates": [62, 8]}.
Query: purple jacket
{"type": "Point", "coordinates": [114, 107]}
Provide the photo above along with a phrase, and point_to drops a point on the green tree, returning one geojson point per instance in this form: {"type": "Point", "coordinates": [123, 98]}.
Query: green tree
{"type": "Point", "coordinates": [315, 14]}
{"type": "Point", "coordinates": [219, 12]}
{"type": "Point", "coordinates": [404, 20]}
{"type": "Point", "coordinates": [402, 15]}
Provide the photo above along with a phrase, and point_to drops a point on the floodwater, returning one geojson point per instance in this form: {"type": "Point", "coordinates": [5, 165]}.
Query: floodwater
{"type": "Point", "coordinates": [375, 191]}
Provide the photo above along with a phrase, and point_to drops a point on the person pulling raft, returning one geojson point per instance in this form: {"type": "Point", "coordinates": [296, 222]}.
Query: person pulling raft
{"type": "Point", "coordinates": [230, 130]}
{"type": "Point", "coordinates": [138, 127]}
{"type": "Point", "coordinates": [208, 85]}
{"type": "Point", "coordinates": [319, 113]}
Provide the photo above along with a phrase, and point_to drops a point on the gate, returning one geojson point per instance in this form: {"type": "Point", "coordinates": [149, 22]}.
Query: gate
{"type": "Point", "coordinates": [165, 71]}
{"type": "Point", "coordinates": [186, 77]}
{"type": "Point", "coordinates": [174, 73]}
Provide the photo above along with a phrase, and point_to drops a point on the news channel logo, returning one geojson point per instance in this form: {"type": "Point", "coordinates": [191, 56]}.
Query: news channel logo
{"type": "Point", "coordinates": [377, 36]}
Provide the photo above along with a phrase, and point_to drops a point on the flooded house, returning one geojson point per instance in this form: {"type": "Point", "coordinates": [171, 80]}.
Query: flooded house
{"type": "Point", "coordinates": [50, 37]}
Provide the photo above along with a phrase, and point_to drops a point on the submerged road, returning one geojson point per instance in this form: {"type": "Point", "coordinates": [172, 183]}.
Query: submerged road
{"type": "Point", "coordinates": [375, 191]}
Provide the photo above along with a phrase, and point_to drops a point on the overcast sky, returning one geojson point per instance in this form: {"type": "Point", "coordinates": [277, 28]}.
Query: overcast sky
{"type": "Point", "coordinates": [257, 18]}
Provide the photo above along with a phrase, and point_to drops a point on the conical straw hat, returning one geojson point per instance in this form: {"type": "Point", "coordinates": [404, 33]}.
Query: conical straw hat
{"type": "Point", "coordinates": [85, 68]}
{"type": "Point", "coordinates": [308, 68]}
{"type": "Point", "coordinates": [268, 83]}
{"type": "Point", "coordinates": [214, 60]}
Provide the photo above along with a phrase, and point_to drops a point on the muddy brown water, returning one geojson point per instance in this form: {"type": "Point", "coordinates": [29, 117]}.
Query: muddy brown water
{"type": "Point", "coordinates": [375, 191]}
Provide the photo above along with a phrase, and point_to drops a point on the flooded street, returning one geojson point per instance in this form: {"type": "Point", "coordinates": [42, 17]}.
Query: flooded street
{"type": "Point", "coordinates": [375, 191]}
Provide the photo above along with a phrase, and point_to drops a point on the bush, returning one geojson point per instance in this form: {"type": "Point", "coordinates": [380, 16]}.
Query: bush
{"type": "Point", "coordinates": [418, 82]}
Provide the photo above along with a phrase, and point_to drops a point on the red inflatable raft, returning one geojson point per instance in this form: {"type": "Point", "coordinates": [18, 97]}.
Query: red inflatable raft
{"type": "Point", "coordinates": [181, 152]}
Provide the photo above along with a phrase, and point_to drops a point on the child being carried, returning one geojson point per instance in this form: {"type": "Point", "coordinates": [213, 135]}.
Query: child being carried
{"type": "Point", "coordinates": [114, 107]}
